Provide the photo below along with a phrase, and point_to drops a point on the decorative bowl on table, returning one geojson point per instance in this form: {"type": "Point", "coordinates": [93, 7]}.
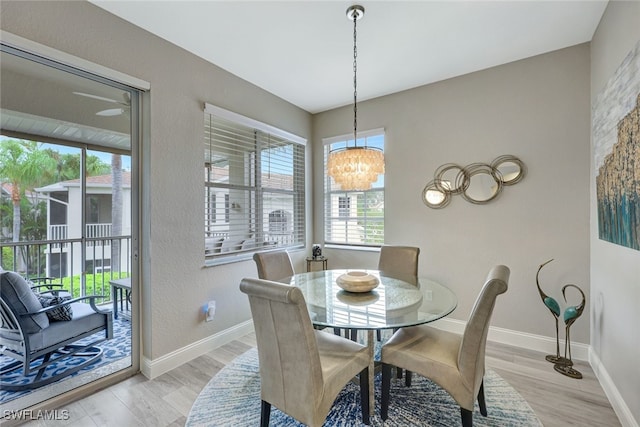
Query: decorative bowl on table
{"type": "Point", "coordinates": [357, 281]}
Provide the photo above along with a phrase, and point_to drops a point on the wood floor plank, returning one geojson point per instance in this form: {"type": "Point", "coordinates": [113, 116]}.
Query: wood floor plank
{"type": "Point", "coordinates": [557, 400]}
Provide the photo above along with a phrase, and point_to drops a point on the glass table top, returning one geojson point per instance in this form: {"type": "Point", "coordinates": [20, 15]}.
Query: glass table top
{"type": "Point", "coordinates": [396, 302]}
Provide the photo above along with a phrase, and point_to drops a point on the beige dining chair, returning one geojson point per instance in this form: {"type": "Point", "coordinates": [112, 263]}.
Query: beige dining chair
{"type": "Point", "coordinates": [399, 260]}
{"type": "Point", "coordinates": [274, 265]}
{"type": "Point", "coordinates": [301, 370]}
{"type": "Point", "coordinates": [454, 362]}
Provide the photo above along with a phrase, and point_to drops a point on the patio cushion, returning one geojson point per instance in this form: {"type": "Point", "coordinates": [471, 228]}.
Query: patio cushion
{"type": "Point", "coordinates": [15, 290]}
{"type": "Point", "coordinates": [85, 320]}
{"type": "Point", "coordinates": [64, 312]}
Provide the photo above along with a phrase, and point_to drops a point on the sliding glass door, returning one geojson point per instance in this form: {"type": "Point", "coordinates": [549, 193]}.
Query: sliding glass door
{"type": "Point", "coordinates": [68, 201]}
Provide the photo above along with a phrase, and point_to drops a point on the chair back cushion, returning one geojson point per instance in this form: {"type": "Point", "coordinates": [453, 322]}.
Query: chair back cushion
{"type": "Point", "coordinates": [290, 369]}
{"type": "Point", "coordinates": [474, 339]}
{"type": "Point", "coordinates": [399, 260]}
{"type": "Point", "coordinates": [17, 294]}
{"type": "Point", "coordinates": [273, 265]}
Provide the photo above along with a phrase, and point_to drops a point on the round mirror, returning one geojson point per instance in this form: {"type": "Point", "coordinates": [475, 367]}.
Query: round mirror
{"type": "Point", "coordinates": [450, 178]}
{"type": "Point", "coordinates": [435, 198]}
{"type": "Point", "coordinates": [483, 186]}
{"type": "Point", "coordinates": [510, 169]}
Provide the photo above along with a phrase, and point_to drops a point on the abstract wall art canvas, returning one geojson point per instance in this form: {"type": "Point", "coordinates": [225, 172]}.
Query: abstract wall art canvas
{"type": "Point", "coordinates": [616, 137]}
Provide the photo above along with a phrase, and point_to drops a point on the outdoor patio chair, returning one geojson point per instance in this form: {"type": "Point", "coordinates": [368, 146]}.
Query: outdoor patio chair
{"type": "Point", "coordinates": [35, 342]}
{"type": "Point", "coordinates": [47, 284]}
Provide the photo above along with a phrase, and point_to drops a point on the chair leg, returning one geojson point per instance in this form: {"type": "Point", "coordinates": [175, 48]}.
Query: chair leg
{"type": "Point", "coordinates": [398, 373]}
{"type": "Point", "coordinates": [265, 414]}
{"type": "Point", "coordinates": [467, 417]}
{"type": "Point", "coordinates": [407, 378]}
{"type": "Point", "coordinates": [386, 386]}
{"type": "Point", "coordinates": [481, 402]}
{"type": "Point", "coordinates": [354, 334]}
{"type": "Point", "coordinates": [379, 335]}
{"type": "Point", "coordinates": [364, 395]}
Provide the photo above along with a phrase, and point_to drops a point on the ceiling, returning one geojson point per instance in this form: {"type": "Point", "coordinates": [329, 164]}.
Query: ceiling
{"type": "Point", "coordinates": [302, 51]}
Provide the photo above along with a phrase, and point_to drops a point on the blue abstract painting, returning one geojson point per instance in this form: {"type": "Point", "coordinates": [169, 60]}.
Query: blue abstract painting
{"type": "Point", "coordinates": [616, 137]}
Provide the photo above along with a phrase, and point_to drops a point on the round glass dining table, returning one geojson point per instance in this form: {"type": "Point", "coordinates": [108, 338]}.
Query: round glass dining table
{"type": "Point", "coordinates": [397, 301]}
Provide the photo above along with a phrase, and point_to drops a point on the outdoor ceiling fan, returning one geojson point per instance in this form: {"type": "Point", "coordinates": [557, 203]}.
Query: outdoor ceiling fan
{"type": "Point", "coordinates": [126, 104]}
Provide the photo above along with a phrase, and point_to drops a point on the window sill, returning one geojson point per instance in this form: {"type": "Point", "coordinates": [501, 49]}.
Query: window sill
{"type": "Point", "coordinates": [353, 248]}
{"type": "Point", "coordinates": [244, 256]}
{"type": "Point", "coordinates": [214, 262]}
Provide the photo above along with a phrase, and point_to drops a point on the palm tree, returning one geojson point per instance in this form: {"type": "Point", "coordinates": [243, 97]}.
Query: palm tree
{"type": "Point", "coordinates": [116, 210]}
{"type": "Point", "coordinates": [24, 166]}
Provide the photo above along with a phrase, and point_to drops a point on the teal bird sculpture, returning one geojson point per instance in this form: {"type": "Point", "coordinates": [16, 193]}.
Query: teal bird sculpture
{"type": "Point", "coordinates": [554, 308]}
{"type": "Point", "coordinates": [571, 314]}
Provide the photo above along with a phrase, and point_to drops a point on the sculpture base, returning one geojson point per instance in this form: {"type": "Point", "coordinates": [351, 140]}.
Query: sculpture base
{"type": "Point", "coordinates": [558, 360]}
{"type": "Point", "coordinates": [568, 371]}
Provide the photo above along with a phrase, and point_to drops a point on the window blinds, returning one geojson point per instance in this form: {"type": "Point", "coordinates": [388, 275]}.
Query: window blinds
{"type": "Point", "coordinates": [354, 218]}
{"type": "Point", "coordinates": [254, 185]}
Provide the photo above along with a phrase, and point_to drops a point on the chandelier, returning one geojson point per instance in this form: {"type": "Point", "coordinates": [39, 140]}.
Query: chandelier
{"type": "Point", "coordinates": [355, 168]}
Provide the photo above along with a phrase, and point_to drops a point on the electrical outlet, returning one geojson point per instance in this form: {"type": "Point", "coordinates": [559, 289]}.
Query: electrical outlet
{"type": "Point", "coordinates": [210, 311]}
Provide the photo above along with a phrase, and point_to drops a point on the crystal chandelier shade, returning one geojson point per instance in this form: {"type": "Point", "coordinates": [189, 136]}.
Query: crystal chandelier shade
{"type": "Point", "coordinates": [355, 168]}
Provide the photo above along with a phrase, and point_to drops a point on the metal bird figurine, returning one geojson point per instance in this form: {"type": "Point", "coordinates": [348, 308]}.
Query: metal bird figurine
{"type": "Point", "coordinates": [571, 314]}
{"type": "Point", "coordinates": [554, 308]}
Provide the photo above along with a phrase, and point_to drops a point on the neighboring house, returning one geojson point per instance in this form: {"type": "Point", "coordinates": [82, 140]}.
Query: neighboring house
{"type": "Point", "coordinates": [226, 225]}
{"type": "Point", "coordinates": [64, 221]}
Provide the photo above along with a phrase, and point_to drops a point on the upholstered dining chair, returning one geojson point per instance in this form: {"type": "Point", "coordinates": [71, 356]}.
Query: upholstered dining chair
{"type": "Point", "coordinates": [274, 265]}
{"type": "Point", "coordinates": [400, 262]}
{"type": "Point", "coordinates": [454, 362]}
{"type": "Point", "coordinates": [301, 370]}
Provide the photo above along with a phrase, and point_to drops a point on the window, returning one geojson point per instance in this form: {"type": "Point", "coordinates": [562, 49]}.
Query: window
{"type": "Point", "coordinates": [354, 218]}
{"type": "Point", "coordinates": [259, 172]}
{"type": "Point", "coordinates": [344, 206]}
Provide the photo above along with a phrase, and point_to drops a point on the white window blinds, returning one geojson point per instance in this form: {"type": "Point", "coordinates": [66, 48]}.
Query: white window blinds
{"type": "Point", "coordinates": [254, 185]}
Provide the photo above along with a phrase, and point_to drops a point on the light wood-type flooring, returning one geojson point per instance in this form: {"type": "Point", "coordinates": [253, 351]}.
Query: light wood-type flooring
{"type": "Point", "coordinates": [166, 400]}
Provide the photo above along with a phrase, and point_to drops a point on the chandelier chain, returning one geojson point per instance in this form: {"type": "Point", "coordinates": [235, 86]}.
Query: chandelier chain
{"type": "Point", "coordinates": [355, 82]}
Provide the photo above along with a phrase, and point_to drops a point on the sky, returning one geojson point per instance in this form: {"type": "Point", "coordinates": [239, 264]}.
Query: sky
{"type": "Point", "coordinates": [104, 156]}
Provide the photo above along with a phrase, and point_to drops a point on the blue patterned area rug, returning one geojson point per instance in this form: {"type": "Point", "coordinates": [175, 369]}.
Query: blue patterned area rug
{"type": "Point", "coordinates": [232, 398]}
{"type": "Point", "coordinates": [113, 350]}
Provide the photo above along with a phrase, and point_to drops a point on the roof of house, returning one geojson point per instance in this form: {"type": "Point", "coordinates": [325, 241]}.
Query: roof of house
{"type": "Point", "coordinates": [92, 181]}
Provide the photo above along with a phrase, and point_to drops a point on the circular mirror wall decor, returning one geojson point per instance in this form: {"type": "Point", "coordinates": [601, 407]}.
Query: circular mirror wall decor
{"type": "Point", "coordinates": [477, 183]}
{"type": "Point", "coordinates": [510, 169]}
{"type": "Point", "coordinates": [434, 197]}
{"type": "Point", "coordinates": [451, 178]}
{"type": "Point", "coordinates": [483, 185]}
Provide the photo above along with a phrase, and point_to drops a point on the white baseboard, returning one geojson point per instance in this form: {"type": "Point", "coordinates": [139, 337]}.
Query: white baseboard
{"type": "Point", "coordinates": [154, 368]}
{"type": "Point", "coordinates": [579, 351]}
{"type": "Point", "coordinates": [617, 402]}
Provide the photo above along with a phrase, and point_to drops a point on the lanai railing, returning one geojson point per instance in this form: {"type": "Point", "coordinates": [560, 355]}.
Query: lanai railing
{"type": "Point", "coordinates": [60, 261]}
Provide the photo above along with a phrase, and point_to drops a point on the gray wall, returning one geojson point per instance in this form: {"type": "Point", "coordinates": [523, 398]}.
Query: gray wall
{"type": "Point", "coordinates": [178, 284]}
{"type": "Point", "coordinates": [615, 270]}
{"type": "Point", "coordinates": [536, 109]}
